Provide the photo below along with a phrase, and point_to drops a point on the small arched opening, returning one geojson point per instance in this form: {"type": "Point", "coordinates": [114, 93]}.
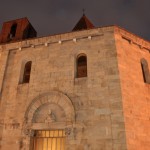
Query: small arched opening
{"type": "Point", "coordinates": [145, 70]}
{"type": "Point", "coordinates": [81, 65]}
{"type": "Point", "coordinates": [13, 31]}
{"type": "Point", "coordinates": [27, 71]}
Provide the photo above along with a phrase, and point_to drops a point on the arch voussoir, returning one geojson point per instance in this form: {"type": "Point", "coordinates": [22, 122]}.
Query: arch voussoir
{"type": "Point", "coordinates": [53, 97]}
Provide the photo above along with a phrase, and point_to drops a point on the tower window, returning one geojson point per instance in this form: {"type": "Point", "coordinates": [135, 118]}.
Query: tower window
{"type": "Point", "coordinates": [49, 140]}
{"type": "Point", "coordinates": [13, 31]}
{"type": "Point", "coordinates": [81, 66]}
{"type": "Point", "coordinates": [27, 71]}
{"type": "Point", "coordinates": [145, 70]}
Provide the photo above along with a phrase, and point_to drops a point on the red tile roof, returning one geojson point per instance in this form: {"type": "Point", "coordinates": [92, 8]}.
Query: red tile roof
{"type": "Point", "coordinates": [83, 23]}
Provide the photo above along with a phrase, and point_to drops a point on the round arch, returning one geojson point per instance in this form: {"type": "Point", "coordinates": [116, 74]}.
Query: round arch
{"type": "Point", "coordinates": [53, 97]}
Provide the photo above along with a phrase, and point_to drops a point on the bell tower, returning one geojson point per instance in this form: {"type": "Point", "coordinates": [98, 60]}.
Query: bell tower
{"type": "Point", "coordinates": [16, 30]}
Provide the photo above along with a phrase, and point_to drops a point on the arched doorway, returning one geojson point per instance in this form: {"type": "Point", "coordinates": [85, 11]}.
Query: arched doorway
{"type": "Point", "coordinates": [49, 120]}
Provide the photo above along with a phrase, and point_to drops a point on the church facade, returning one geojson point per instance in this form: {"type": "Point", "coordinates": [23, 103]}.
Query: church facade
{"type": "Point", "coordinates": [88, 89]}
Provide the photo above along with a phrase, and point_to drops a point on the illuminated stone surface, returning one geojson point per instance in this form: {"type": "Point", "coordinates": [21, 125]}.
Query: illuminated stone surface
{"type": "Point", "coordinates": [107, 110]}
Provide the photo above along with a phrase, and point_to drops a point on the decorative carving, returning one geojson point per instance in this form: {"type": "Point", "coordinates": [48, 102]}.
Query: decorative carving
{"type": "Point", "coordinates": [12, 126]}
{"type": "Point", "coordinates": [50, 117]}
{"type": "Point", "coordinates": [70, 133]}
{"type": "Point", "coordinates": [27, 133]}
{"type": "Point", "coordinates": [20, 143]}
{"type": "Point", "coordinates": [51, 98]}
{"type": "Point", "coordinates": [67, 131]}
{"type": "Point", "coordinates": [27, 130]}
{"type": "Point", "coordinates": [23, 143]}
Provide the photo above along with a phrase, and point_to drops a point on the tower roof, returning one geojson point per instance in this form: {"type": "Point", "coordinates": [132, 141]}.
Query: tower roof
{"type": "Point", "coordinates": [83, 23]}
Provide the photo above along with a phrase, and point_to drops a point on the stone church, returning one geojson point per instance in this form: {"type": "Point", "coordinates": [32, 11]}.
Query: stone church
{"type": "Point", "coordinates": [88, 89]}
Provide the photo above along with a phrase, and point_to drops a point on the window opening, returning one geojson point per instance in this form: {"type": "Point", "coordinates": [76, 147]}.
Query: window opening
{"type": "Point", "coordinates": [13, 31]}
{"type": "Point", "coordinates": [82, 66]}
{"type": "Point", "coordinates": [27, 71]}
{"type": "Point", "coordinates": [144, 76]}
{"type": "Point", "coordinates": [145, 71]}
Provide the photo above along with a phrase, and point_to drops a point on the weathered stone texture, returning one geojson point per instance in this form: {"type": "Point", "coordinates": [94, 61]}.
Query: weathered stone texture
{"type": "Point", "coordinates": [135, 93]}
{"type": "Point", "coordinates": [107, 110]}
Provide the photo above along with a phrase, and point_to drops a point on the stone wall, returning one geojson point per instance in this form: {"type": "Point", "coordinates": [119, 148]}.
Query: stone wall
{"type": "Point", "coordinates": [3, 65]}
{"type": "Point", "coordinates": [135, 93]}
{"type": "Point", "coordinates": [98, 122]}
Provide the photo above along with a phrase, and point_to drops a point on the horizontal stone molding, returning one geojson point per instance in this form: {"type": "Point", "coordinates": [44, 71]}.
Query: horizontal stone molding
{"type": "Point", "coordinates": [132, 38]}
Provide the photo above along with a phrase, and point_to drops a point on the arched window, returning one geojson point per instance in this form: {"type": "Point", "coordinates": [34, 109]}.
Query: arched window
{"type": "Point", "coordinates": [81, 66]}
{"type": "Point", "coordinates": [13, 31]}
{"type": "Point", "coordinates": [145, 71]}
{"type": "Point", "coordinates": [27, 71]}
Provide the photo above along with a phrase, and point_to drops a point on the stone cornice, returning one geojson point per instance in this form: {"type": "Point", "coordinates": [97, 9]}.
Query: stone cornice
{"type": "Point", "coordinates": [75, 37]}
{"type": "Point", "coordinates": [132, 38]}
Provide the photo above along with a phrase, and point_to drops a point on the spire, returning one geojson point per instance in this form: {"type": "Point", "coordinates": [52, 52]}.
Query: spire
{"type": "Point", "coordinates": [83, 11]}
{"type": "Point", "coordinates": [83, 23]}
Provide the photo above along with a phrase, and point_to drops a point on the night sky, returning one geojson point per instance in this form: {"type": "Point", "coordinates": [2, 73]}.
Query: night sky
{"type": "Point", "coordinates": [60, 16]}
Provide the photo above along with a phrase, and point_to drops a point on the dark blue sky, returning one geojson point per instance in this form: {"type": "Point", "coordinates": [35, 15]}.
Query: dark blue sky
{"type": "Point", "coordinates": [59, 16]}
